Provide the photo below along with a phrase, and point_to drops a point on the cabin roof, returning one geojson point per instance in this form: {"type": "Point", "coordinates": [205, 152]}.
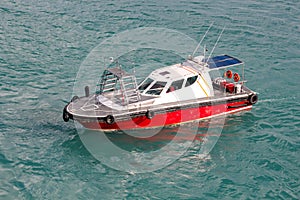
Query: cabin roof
{"type": "Point", "coordinates": [173, 72]}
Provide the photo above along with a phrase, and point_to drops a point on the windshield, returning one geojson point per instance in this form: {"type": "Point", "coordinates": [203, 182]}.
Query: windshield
{"type": "Point", "coordinates": [145, 84]}
{"type": "Point", "coordinates": [157, 88]}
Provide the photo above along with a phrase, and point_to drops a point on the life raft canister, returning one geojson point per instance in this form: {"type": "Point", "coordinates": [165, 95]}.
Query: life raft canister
{"type": "Point", "coordinates": [228, 74]}
{"type": "Point", "coordinates": [236, 77]}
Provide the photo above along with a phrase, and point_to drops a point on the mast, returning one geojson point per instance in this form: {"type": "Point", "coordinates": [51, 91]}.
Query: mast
{"type": "Point", "coordinates": [199, 44]}
{"type": "Point", "coordinates": [215, 45]}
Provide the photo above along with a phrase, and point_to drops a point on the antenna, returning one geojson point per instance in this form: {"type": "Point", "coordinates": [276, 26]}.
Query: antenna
{"type": "Point", "coordinates": [215, 44]}
{"type": "Point", "coordinates": [243, 73]}
{"type": "Point", "coordinates": [204, 51]}
{"type": "Point", "coordinates": [202, 39]}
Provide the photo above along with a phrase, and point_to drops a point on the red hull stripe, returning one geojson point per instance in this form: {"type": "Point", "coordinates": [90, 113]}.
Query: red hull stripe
{"type": "Point", "coordinates": [168, 118]}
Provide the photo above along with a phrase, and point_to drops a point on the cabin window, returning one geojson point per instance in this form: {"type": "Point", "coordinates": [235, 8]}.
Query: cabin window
{"type": "Point", "coordinates": [157, 88]}
{"type": "Point", "coordinates": [145, 84]}
{"type": "Point", "coordinates": [191, 80]}
{"type": "Point", "coordinates": [176, 85]}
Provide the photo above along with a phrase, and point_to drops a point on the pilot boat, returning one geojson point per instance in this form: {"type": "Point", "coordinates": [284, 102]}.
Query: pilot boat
{"type": "Point", "coordinates": [196, 89]}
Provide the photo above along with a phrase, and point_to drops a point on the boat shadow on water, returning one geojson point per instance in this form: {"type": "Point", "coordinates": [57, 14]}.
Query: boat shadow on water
{"type": "Point", "coordinates": [128, 151]}
{"type": "Point", "coordinates": [193, 132]}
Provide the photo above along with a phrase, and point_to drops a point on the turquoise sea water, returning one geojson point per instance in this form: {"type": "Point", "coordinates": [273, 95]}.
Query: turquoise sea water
{"type": "Point", "coordinates": [42, 47]}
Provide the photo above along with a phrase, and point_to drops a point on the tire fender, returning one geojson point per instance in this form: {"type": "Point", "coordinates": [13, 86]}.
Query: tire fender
{"type": "Point", "coordinates": [109, 119]}
{"type": "Point", "coordinates": [66, 116]}
{"type": "Point", "coordinates": [150, 114]}
{"type": "Point", "coordinates": [253, 99]}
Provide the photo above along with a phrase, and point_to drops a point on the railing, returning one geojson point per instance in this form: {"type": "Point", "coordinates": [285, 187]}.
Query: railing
{"type": "Point", "coordinates": [126, 89]}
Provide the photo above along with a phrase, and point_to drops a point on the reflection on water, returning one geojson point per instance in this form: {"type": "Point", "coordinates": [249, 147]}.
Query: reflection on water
{"type": "Point", "coordinates": [123, 151]}
{"type": "Point", "coordinates": [161, 137]}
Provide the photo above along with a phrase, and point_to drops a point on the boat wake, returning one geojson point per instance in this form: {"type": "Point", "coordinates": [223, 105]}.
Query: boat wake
{"type": "Point", "coordinates": [276, 100]}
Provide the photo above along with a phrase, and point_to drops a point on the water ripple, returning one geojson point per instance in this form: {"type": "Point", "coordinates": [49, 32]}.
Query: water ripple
{"type": "Point", "coordinates": [42, 47]}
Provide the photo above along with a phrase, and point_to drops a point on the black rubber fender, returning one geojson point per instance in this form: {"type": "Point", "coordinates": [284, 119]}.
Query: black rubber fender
{"type": "Point", "coordinates": [110, 119]}
{"type": "Point", "coordinates": [253, 99]}
{"type": "Point", "coordinates": [150, 114]}
{"type": "Point", "coordinates": [66, 116]}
